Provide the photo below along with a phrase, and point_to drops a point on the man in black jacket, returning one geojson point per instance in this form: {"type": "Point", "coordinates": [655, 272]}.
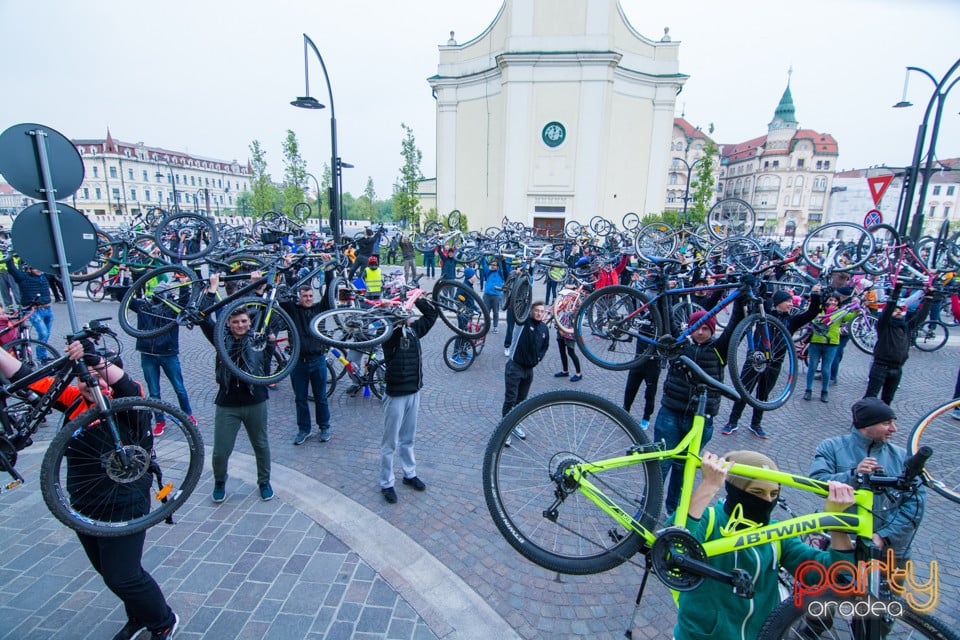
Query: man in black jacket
{"type": "Point", "coordinates": [403, 358]}
{"type": "Point", "coordinates": [526, 351]}
{"type": "Point", "coordinates": [365, 246]}
{"type": "Point", "coordinates": [893, 345]}
{"type": "Point", "coordinates": [311, 371]}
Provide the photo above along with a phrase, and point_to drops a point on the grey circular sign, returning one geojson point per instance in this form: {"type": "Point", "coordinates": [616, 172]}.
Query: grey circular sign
{"type": "Point", "coordinates": [20, 161]}
{"type": "Point", "coordinates": [32, 238]}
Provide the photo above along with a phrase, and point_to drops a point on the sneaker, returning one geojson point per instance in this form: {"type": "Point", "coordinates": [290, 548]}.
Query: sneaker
{"type": "Point", "coordinates": [644, 424]}
{"type": "Point", "coordinates": [266, 491]}
{"type": "Point", "coordinates": [300, 438]}
{"type": "Point", "coordinates": [130, 630]}
{"type": "Point", "coordinates": [833, 382]}
{"type": "Point", "coordinates": [730, 428]}
{"type": "Point", "coordinates": [561, 374]}
{"type": "Point", "coordinates": [807, 394]}
{"type": "Point", "coordinates": [325, 434]}
{"type": "Point", "coordinates": [158, 430]}
{"type": "Point", "coordinates": [193, 420]}
{"type": "Point", "coordinates": [758, 431]}
{"type": "Point", "coordinates": [824, 396]}
{"type": "Point", "coordinates": [167, 634]}
{"type": "Point", "coordinates": [508, 442]}
{"type": "Point", "coordinates": [457, 360]}
{"type": "Point", "coordinates": [495, 330]}
{"type": "Point", "coordinates": [520, 433]}
{"type": "Point", "coordinates": [389, 494]}
{"type": "Point", "coordinates": [506, 352]}
{"type": "Point", "coordinates": [955, 414]}
{"type": "Point", "coordinates": [576, 378]}
{"type": "Point", "coordinates": [415, 482]}
{"type": "Point", "coordinates": [219, 492]}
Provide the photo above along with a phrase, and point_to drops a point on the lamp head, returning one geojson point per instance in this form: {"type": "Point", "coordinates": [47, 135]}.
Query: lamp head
{"type": "Point", "coordinates": [902, 104]}
{"type": "Point", "coordinates": [307, 102]}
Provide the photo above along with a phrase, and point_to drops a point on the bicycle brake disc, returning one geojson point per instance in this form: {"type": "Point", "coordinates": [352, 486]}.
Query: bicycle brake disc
{"type": "Point", "coordinates": [138, 462]}
{"type": "Point", "coordinates": [669, 543]}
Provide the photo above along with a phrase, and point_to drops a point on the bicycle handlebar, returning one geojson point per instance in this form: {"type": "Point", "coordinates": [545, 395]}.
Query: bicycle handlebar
{"type": "Point", "coordinates": [708, 380]}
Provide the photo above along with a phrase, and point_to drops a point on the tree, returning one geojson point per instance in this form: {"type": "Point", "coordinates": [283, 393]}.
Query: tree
{"type": "Point", "coordinates": [244, 206]}
{"type": "Point", "coordinates": [294, 177]}
{"type": "Point", "coordinates": [364, 208]}
{"type": "Point", "coordinates": [704, 187]}
{"type": "Point", "coordinates": [406, 206]}
{"type": "Point", "coordinates": [264, 192]}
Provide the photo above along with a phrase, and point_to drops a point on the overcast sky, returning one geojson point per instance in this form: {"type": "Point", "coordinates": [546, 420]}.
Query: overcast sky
{"type": "Point", "coordinates": [209, 77]}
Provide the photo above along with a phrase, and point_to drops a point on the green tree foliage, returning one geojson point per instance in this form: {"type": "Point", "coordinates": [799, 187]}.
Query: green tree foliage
{"type": "Point", "coordinates": [705, 186]}
{"type": "Point", "coordinates": [294, 178]}
{"type": "Point", "coordinates": [264, 193]}
{"type": "Point", "coordinates": [244, 203]}
{"type": "Point", "coordinates": [406, 206]}
{"type": "Point", "coordinates": [669, 217]}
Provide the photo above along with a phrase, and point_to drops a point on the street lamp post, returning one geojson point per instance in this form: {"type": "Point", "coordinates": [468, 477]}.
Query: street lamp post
{"type": "Point", "coordinates": [686, 190]}
{"type": "Point", "coordinates": [306, 101]}
{"type": "Point", "coordinates": [938, 98]}
{"type": "Point", "coordinates": [173, 184]}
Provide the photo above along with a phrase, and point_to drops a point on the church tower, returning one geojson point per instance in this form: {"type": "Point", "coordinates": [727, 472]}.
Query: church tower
{"type": "Point", "coordinates": [560, 110]}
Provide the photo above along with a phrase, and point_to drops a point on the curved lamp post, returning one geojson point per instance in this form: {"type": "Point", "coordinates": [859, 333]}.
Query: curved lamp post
{"type": "Point", "coordinates": [307, 101]}
{"type": "Point", "coordinates": [686, 190]}
{"type": "Point", "coordinates": [173, 183]}
{"type": "Point", "coordinates": [938, 97]}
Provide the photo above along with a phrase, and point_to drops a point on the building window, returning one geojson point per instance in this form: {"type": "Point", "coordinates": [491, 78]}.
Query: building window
{"type": "Point", "coordinates": [826, 164]}
{"type": "Point", "coordinates": [673, 178]}
{"type": "Point", "coordinates": [776, 163]}
{"type": "Point", "coordinates": [145, 178]}
{"type": "Point", "coordinates": [671, 198]}
{"type": "Point", "coordinates": [946, 211]}
{"type": "Point", "coordinates": [819, 164]}
{"type": "Point", "coordinates": [86, 193]}
{"type": "Point", "coordinates": [799, 182]}
{"type": "Point", "coordinates": [766, 164]}
{"type": "Point", "coordinates": [933, 211]}
{"type": "Point", "coordinates": [98, 193]}
{"type": "Point", "coordinates": [116, 194]}
{"type": "Point", "coordinates": [820, 183]}
{"type": "Point", "coordinates": [96, 172]}
{"type": "Point", "coordinates": [146, 195]}
{"type": "Point", "coordinates": [220, 184]}
{"type": "Point", "coordinates": [950, 191]}
{"type": "Point", "coordinates": [130, 174]}
{"type": "Point", "coordinates": [936, 190]}
{"type": "Point", "coordinates": [133, 194]}
{"type": "Point", "coordinates": [796, 199]}
{"type": "Point", "coordinates": [800, 163]}
{"type": "Point", "coordinates": [177, 177]}
{"type": "Point", "coordinates": [789, 182]}
{"type": "Point", "coordinates": [192, 183]}
{"type": "Point", "coordinates": [113, 172]}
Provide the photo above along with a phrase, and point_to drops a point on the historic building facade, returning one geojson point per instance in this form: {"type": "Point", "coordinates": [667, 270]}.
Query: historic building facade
{"type": "Point", "coordinates": [688, 146]}
{"type": "Point", "coordinates": [559, 110]}
{"type": "Point", "coordinates": [785, 175]}
{"type": "Point", "coordinates": [124, 178]}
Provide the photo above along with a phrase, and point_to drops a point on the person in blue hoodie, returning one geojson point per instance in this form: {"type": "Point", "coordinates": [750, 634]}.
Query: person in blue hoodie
{"type": "Point", "coordinates": [493, 291]}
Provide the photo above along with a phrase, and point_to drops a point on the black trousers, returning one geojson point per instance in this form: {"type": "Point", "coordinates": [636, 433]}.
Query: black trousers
{"type": "Point", "coordinates": [648, 372]}
{"type": "Point", "coordinates": [516, 381]}
{"type": "Point", "coordinates": [567, 347]}
{"type": "Point", "coordinates": [118, 561]}
{"type": "Point", "coordinates": [883, 380]}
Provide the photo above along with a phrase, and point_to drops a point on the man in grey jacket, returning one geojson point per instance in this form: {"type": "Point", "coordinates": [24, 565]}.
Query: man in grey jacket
{"type": "Point", "coordinates": [867, 449]}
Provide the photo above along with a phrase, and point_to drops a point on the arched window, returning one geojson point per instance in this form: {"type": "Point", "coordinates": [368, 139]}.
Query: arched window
{"type": "Point", "coordinates": [673, 178]}
{"type": "Point", "coordinates": [799, 181]}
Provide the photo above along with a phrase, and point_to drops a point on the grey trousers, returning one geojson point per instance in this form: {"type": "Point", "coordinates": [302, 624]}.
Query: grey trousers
{"type": "Point", "coordinates": [226, 425]}
{"type": "Point", "coordinates": [399, 433]}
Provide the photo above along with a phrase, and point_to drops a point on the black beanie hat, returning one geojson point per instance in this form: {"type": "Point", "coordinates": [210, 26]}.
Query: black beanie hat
{"type": "Point", "coordinates": [871, 411]}
{"type": "Point", "coordinates": [781, 296]}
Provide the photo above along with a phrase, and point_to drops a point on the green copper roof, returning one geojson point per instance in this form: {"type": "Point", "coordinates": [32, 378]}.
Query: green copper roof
{"type": "Point", "coordinates": [785, 110]}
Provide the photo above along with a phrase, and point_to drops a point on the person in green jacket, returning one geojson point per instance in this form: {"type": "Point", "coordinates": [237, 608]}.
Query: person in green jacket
{"type": "Point", "coordinates": [712, 610]}
{"type": "Point", "coordinates": [824, 344]}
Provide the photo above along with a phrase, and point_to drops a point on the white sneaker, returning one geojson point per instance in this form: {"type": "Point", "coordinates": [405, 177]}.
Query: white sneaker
{"type": "Point", "coordinates": [520, 433]}
{"type": "Point", "coordinates": [508, 442]}
{"type": "Point", "coordinates": [506, 352]}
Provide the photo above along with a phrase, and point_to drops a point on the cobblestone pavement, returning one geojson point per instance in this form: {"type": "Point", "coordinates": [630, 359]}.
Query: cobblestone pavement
{"type": "Point", "coordinates": [330, 557]}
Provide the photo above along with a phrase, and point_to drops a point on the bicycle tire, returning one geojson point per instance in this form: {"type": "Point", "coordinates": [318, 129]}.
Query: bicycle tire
{"type": "Point", "coordinates": [25, 350]}
{"type": "Point", "coordinates": [164, 318]}
{"type": "Point", "coordinates": [572, 229]}
{"type": "Point", "coordinates": [656, 240]}
{"type": "Point", "coordinates": [96, 290]}
{"type": "Point", "coordinates": [563, 427]}
{"type": "Point", "coordinates": [178, 454]}
{"type": "Point", "coordinates": [600, 225]}
{"type": "Point", "coordinates": [459, 353]}
{"type": "Point", "coordinates": [863, 333]}
{"type": "Point", "coordinates": [730, 217]}
{"type": "Point", "coordinates": [355, 329]}
{"type": "Point", "coordinates": [940, 430]}
{"type": "Point", "coordinates": [679, 314]}
{"type": "Point", "coordinates": [609, 324]}
{"type": "Point", "coordinates": [762, 362]}
{"type": "Point", "coordinates": [745, 253]}
{"type": "Point", "coordinates": [454, 219]}
{"type": "Point", "coordinates": [521, 300]}
{"type": "Point", "coordinates": [171, 226]}
{"type": "Point", "coordinates": [939, 257]}
{"type": "Point", "coordinates": [826, 235]}
{"type": "Point", "coordinates": [630, 221]}
{"type": "Point", "coordinates": [331, 378]}
{"type": "Point", "coordinates": [341, 294]}
{"type": "Point", "coordinates": [931, 335]}
{"type": "Point", "coordinates": [878, 263]}
{"type": "Point", "coordinates": [789, 621]}
{"type": "Point", "coordinates": [266, 319]}
{"type": "Point", "coordinates": [457, 301]}
{"type": "Point", "coordinates": [565, 309]}
{"type": "Point", "coordinates": [108, 250]}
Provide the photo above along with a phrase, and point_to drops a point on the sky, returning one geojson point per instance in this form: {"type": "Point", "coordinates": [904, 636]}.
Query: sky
{"type": "Point", "coordinates": [210, 76]}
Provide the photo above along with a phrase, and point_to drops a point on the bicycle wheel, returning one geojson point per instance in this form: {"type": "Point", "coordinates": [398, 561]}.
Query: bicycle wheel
{"type": "Point", "coordinates": [458, 353]}
{"type": "Point", "coordinates": [863, 332]}
{"type": "Point", "coordinates": [600, 225]}
{"type": "Point", "coordinates": [461, 308]}
{"type": "Point", "coordinates": [148, 310]}
{"type": "Point", "coordinates": [762, 362]}
{"type": "Point", "coordinates": [523, 481]}
{"type": "Point", "coordinates": [96, 489]}
{"type": "Point", "coordinates": [565, 309]}
{"type": "Point", "coordinates": [616, 327]}
{"type": "Point", "coordinates": [341, 294]}
{"type": "Point", "coordinates": [572, 229]}
{"type": "Point", "coordinates": [931, 335]}
{"type": "Point", "coordinates": [885, 241]}
{"type": "Point", "coordinates": [95, 290]}
{"type": "Point", "coordinates": [730, 217]}
{"type": "Point", "coordinates": [745, 253]}
{"type": "Point", "coordinates": [656, 240]}
{"type": "Point", "coordinates": [521, 299]}
{"type": "Point", "coordinates": [840, 246]}
{"type": "Point", "coordinates": [352, 328]}
{"type": "Point", "coordinates": [630, 221]}
{"type": "Point", "coordinates": [186, 236]}
{"type": "Point", "coordinates": [680, 313]}
{"type": "Point", "coordinates": [331, 378]}
{"type": "Point", "coordinates": [940, 430]}
{"type": "Point", "coordinates": [454, 219]}
{"type": "Point", "coordinates": [107, 249]}
{"type": "Point", "coordinates": [269, 325]}
{"type": "Point", "coordinates": [837, 616]}
{"type": "Point", "coordinates": [29, 351]}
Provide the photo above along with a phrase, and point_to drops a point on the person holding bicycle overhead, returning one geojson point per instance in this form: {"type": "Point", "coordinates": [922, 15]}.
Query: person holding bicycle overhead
{"type": "Point", "coordinates": [712, 610]}
{"type": "Point", "coordinates": [117, 559]}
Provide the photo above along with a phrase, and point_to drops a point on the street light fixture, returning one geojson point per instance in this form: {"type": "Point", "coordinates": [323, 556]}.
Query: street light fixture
{"type": "Point", "coordinates": [173, 184]}
{"type": "Point", "coordinates": [307, 101]}
{"type": "Point", "coordinates": [686, 190]}
{"type": "Point", "coordinates": [938, 97]}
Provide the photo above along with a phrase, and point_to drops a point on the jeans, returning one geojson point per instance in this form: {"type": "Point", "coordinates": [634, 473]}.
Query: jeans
{"type": "Point", "coordinates": [511, 323]}
{"type": "Point", "coordinates": [823, 354]}
{"type": "Point", "coordinates": [671, 427]}
{"type": "Point", "coordinates": [429, 264]}
{"type": "Point", "coordinates": [306, 375]}
{"type": "Point", "coordinates": [493, 303]}
{"type": "Point", "coordinates": [883, 377]}
{"type": "Point", "coordinates": [42, 321]}
{"type": "Point", "coordinates": [399, 434]}
{"type": "Point", "coordinates": [226, 425]}
{"type": "Point", "coordinates": [551, 294]}
{"type": "Point", "coordinates": [151, 366]}
{"type": "Point", "coordinates": [835, 367]}
{"type": "Point", "coordinates": [118, 561]}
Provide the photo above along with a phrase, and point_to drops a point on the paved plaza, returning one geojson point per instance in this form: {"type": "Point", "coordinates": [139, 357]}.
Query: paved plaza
{"type": "Point", "coordinates": [328, 558]}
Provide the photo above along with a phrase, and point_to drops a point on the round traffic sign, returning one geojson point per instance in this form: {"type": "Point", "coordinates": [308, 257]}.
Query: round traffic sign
{"type": "Point", "coordinates": [32, 238]}
{"type": "Point", "coordinates": [20, 162]}
{"type": "Point", "coordinates": [873, 218]}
